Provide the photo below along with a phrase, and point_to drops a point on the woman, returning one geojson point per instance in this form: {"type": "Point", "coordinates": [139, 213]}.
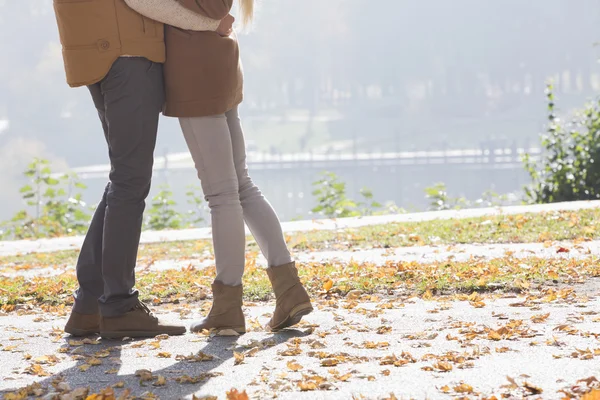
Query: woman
{"type": "Point", "coordinates": [204, 81]}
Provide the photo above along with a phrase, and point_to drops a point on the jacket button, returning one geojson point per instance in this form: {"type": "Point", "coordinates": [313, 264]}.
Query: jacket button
{"type": "Point", "coordinates": [104, 45]}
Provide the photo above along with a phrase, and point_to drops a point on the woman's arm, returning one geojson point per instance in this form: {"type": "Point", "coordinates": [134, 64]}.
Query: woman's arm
{"type": "Point", "coordinates": [171, 12]}
{"type": "Point", "coordinates": [217, 9]}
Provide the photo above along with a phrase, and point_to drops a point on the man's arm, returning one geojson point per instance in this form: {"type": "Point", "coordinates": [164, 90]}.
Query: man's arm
{"type": "Point", "coordinates": [215, 9]}
{"type": "Point", "coordinates": [171, 12]}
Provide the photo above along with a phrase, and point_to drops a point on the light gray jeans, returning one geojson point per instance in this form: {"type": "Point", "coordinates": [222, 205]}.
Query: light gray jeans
{"type": "Point", "coordinates": [218, 149]}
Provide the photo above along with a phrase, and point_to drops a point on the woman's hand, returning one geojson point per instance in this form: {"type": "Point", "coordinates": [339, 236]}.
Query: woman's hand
{"type": "Point", "coordinates": [226, 26]}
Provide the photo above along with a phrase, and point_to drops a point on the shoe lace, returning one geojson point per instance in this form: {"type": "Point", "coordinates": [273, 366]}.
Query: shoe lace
{"type": "Point", "coordinates": [144, 308]}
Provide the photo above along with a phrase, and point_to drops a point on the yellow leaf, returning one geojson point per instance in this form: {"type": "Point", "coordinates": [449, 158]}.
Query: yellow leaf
{"type": "Point", "coordinates": [84, 367]}
{"type": "Point", "coordinates": [445, 389]}
{"type": "Point", "coordinates": [443, 366]}
{"type": "Point", "coordinates": [51, 359]}
{"type": "Point", "coordinates": [307, 386]}
{"type": "Point", "coordinates": [239, 358]}
{"type": "Point", "coordinates": [164, 354]}
{"type": "Point", "coordinates": [119, 385]}
{"type": "Point", "coordinates": [294, 366]}
{"type": "Point", "coordinates": [36, 369]}
{"type": "Point", "coordinates": [328, 285]}
{"type": "Point", "coordinates": [463, 388]}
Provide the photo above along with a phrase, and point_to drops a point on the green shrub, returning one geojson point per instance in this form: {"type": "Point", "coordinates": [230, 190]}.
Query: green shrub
{"type": "Point", "coordinates": [569, 168]}
{"type": "Point", "coordinates": [55, 205]}
{"type": "Point", "coordinates": [162, 214]}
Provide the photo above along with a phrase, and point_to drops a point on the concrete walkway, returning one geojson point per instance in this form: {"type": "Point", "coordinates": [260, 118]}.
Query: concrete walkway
{"type": "Point", "coordinates": [346, 351]}
{"type": "Point", "coordinates": [68, 243]}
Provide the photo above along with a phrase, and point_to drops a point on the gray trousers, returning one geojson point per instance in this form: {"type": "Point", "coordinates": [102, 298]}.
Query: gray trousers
{"type": "Point", "coordinates": [219, 151]}
{"type": "Point", "coordinates": [129, 100]}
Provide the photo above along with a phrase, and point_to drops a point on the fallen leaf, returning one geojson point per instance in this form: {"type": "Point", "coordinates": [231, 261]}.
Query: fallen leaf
{"type": "Point", "coordinates": [36, 369]}
{"type": "Point", "coordinates": [160, 381]}
{"type": "Point", "coordinates": [144, 374]}
{"type": "Point", "coordinates": [233, 394]}
{"type": "Point", "coordinates": [463, 388]}
{"type": "Point", "coordinates": [294, 366]}
{"type": "Point", "coordinates": [239, 358]}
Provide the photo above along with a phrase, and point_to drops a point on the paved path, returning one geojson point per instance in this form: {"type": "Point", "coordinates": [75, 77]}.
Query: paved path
{"type": "Point", "coordinates": [50, 245]}
{"type": "Point", "coordinates": [551, 355]}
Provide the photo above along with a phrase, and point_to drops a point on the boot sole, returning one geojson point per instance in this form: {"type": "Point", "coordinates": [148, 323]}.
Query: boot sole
{"type": "Point", "coordinates": [294, 317]}
{"type": "Point", "coordinates": [82, 332]}
{"type": "Point", "coordinates": [138, 334]}
{"type": "Point", "coordinates": [224, 331]}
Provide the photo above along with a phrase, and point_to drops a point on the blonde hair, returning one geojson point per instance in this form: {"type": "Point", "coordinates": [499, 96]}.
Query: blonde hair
{"type": "Point", "coordinates": [247, 11]}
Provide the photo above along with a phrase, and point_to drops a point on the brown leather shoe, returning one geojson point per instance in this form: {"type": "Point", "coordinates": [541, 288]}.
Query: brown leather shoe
{"type": "Point", "coordinates": [138, 322]}
{"type": "Point", "coordinates": [293, 301]}
{"type": "Point", "coordinates": [83, 324]}
{"type": "Point", "coordinates": [226, 317]}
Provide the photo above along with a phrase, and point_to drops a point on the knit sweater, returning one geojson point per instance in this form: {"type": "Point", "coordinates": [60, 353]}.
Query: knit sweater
{"type": "Point", "coordinates": [171, 12]}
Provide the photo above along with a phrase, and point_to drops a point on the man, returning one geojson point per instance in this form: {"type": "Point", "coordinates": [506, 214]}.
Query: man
{"type": "Point", "coordinates": [118, 55]}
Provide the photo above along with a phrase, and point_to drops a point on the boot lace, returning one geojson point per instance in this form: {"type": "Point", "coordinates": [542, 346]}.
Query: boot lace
{"type": "Point", "coordinates": [144, 308]}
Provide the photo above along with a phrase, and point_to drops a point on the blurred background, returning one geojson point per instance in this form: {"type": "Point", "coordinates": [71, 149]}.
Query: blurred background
{"type": "Point", "coordinates": [393, 95]}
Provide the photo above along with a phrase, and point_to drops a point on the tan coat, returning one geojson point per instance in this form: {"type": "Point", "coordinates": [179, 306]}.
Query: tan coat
{"type": "Point", "coordinates": [203, 73]}
{"type": "Point", "coordinates": [95, 33]}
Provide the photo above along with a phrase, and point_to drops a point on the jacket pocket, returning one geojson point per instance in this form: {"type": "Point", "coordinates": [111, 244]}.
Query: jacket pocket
{"type": "Point", "coordinates": [86, 23]}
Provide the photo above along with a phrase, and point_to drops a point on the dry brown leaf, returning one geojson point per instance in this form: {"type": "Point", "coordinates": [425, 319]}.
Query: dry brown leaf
{"type": "Point", "coordinates": [36, 369]}
{"type": "Point", "coordinates": [164, 354]}
{"type": "Point", "coordinates": [294, 366]}
{"type": "Point", "coordinates": [144, 374]}
{"type": "Point", "coordinates": [307, 386]}
{"type": "Point", "coordinates": [445, 389]}
{"type": "Point", "coordinates": [233, 394]}
{"type": "Point", "coordinates": [593, 395]}
{"type": "Point", "coordinates": [330, 362]}
{"type": "Point", "coordinates": [443, 366]}
{"type": "Point", "coordinates": [533, 389]}
{"type": "Point", "coordinates": [540, 318]}
{"type": "Point", "coordinates": [93, 361]}
{"type": "Point", "coordinates": [160, 381]}
{"type": "Point", "coordinates": [463, 388]}
{"type": "Point", "coordinates": [238, 358]}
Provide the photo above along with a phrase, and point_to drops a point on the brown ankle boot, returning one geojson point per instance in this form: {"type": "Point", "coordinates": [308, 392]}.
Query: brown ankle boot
{"type": "Point", "coordinates": [138, 322]}
{"type": "Point", "coordinates": [83, 324]}
{"type": "Point", "coordinates": [226, 316]}
{"type": "Point", "coordinates": [292, 299]}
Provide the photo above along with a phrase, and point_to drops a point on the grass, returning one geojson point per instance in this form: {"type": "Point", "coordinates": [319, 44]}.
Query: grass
{"type": "Point", "coordinates": [522, 228]}
{"type": "Point", "coordinates": [426, 279]}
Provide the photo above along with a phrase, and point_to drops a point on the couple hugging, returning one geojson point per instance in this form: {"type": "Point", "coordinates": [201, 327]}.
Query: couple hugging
{"type": "Point", "coordinates": [139, 58]}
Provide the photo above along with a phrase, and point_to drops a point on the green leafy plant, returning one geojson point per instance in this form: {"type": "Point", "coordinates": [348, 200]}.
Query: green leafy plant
{"type": "Point", "coordinates": [368, 206]}
{"type": "Point", "coordinates": [194, 216]}
{"type": "Point", "coordinates": [439, 199]}
{"type": "Point", "coordinates": [569, 167]}
{"type": "Point", "coordinates": [332, 201]}
{"type": "Point", "coordinates": [162, 213]}
{"type": "Point", "coordinates": [55, 205]}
